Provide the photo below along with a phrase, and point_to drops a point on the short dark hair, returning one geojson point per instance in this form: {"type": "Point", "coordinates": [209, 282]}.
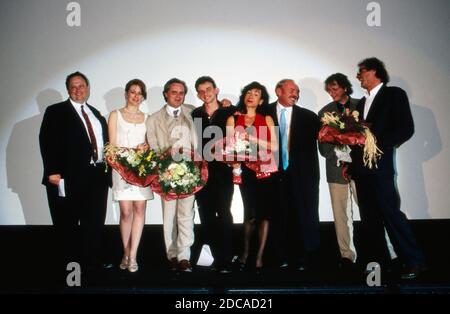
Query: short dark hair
{"type": "Point", "coordinates": [139, 83]}
{"type": "Point", "coordinates": [72, 75]}
{"type": "Point", "coordinates": [173, 81]}
{"type": "Point", "coordinates": [377, 65]}
{"type": "Point", "coordinates": [204, 79]}
{"type": "Point", "coordinates": [341, 80]}
{"type": "Point", "coordinates": [264, 96]}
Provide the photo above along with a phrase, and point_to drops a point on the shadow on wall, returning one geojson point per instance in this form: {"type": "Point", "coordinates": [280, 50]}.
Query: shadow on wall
{"type": "Point", "coordinates": [155, 99]}
{"type": "Point", "coordinates": [312, 95]}
{"type": "Point", "coordinates": [425, 144]}
{"type": "Point", "coordinates": [114, 99]}
{"type": "Point", "coordinates": [24, 162]}
{"type": "Point", "coordinates": [233, 98]}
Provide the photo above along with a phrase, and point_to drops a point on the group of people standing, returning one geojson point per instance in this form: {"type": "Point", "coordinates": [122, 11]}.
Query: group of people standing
{"type": "Point", "coordinates": [283, 204]}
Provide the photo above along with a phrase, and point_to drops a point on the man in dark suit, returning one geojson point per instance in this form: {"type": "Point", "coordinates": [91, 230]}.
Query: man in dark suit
{"type": "Point", "coordinates": [214, 200]}
{"type": "Point", "coordinates": [71, 139]}
{"type": "Point", "coordinates": [388, 113]}
{"type": "Point", "coordinates": [297, 224]}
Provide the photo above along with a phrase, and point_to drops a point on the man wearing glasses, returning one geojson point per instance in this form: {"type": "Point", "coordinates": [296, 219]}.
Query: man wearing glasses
{"type": "Point", "coordinates": [386, 109]}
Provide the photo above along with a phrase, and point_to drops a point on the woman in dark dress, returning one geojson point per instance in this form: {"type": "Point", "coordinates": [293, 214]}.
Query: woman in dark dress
{"type": "Point", "coordinates": [257, 193]}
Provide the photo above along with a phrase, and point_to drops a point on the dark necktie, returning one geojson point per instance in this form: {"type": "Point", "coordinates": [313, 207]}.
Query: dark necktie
{"type": "Point", "coordinates": [175, 113]}
{"type": "Point", "coordinates": [91, 134]}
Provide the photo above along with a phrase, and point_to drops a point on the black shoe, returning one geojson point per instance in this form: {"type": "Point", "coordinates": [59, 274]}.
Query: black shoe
{"type": "Point", "coordinates": [346, 264]}
{"type": "Point", "coordinates": [413, 272]}
{"type": "Point", "coordinates": [225, 270]}
{"type": "Point", "coordinates": [301, 267]}
{"type": "Point", "coordinates": [238, 264]}
{"type": "Point", "coordinates": [98, 266]}
{"type": "Point", "coordinates": [107, 265]}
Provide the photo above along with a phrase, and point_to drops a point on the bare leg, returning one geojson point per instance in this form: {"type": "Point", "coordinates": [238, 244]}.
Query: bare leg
{"type": "Point", "coordinates": [137, 226]}
{"type": "Point", "coordinates": [262, 239]}
{"type": "Point", "coordinates": [126, 220]}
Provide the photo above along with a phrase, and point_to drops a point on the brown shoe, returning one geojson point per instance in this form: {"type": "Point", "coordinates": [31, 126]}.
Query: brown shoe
{"type": "Point", "coordinates": [173, 264]}
{"type": "Point", "coordinates": [185, 266]}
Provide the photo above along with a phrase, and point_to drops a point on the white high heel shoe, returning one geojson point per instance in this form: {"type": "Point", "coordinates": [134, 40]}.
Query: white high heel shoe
{"type": "Point", "coordinates": [124, 263]}
{"type": "Point", "coordinates": [133, 265]}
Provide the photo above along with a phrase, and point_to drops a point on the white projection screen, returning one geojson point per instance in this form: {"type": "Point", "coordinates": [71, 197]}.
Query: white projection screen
{"type": "Point", "coordinates": [235, 42]}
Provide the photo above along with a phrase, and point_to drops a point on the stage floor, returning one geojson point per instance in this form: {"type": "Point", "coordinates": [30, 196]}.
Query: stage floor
{"type": "Point", "coordinates": [26, 266]}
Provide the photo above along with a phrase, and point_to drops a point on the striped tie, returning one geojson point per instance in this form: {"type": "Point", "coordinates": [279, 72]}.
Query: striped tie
{"type": "Point", "coordinates": [91, 134]}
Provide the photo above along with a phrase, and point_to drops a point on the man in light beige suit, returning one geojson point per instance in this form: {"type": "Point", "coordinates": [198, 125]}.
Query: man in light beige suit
{"type": "Point", "coordinates": [172, 126]}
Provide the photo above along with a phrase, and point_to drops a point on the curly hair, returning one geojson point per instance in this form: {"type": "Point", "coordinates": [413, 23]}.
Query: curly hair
{"type": "Point", "coordinates": [264, 96]}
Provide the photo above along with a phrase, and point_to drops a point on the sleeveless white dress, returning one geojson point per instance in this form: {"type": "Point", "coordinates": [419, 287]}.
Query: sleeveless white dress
{"type": "Point", "coordinates": [129, 135]}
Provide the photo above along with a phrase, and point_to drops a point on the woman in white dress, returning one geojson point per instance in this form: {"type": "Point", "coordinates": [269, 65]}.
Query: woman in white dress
{"type": "Point", "coordinates": [127, 129]}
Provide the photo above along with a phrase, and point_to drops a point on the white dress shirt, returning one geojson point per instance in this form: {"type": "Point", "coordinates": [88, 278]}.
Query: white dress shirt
{"type": "Point", "coordinates": [171, 111]}
{"type": "Point", "coordinates": [96, 126]}
{"type": "Point", "coordinates": [288, 115]}
{"type": "Point", "coordinates": [369, 99]}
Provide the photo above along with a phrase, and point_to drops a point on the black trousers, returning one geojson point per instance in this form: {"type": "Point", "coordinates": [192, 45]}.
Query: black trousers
{"type": "Point", "coordinates": [214, 203]}
{"type": "Point", "coordinates": [296, 222]}
{"type": "Point", "coordinates": [79, 217]}
{"type": "Point", "coordinates": [379, 206]}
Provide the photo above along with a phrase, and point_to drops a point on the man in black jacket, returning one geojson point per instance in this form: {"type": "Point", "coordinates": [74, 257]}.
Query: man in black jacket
{"type": "Point", "coordinates": [71, 140]}
{"type": "Point", "coordinates": [388, 113]}
{"type": "Point", "coordinates": [298, 216]}
{"type": "Point", "coordinates": [214, 200]}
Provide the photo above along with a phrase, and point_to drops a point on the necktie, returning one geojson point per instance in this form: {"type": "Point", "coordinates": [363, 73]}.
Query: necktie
{"type": "Point", "coordinates": [91, 134]}
{"type": "Point", "coordinates": [175, 113]}
{"type": "Point", "coordinates": [284, 140]}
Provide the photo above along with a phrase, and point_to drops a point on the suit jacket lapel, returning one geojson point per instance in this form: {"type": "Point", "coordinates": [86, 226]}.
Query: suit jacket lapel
{"type": "Point", "coordinates": [360, 107]}
{"type": "Point", "coordinates": [77, 120]}
{"type": "Point", "coordinates": [295, 123]}
{"type": "Point", "coordinates": [162, 126]}
{"type": "Point", "coordinates": [273, 113]}
{"type": "Point", "coordinates": [100, 119]}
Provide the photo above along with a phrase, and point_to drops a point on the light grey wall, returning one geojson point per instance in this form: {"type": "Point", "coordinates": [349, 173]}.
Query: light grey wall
{"type": "Point", "coordinates": [235, 42]}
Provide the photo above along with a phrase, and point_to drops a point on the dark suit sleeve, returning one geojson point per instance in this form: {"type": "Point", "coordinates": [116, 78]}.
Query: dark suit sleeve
{"type": "Point", "coordinates": [49, 142]}
{"type": "Point", "coordinates": [327, 151]}
{"type": "Point", "coordinates": [403, 126]}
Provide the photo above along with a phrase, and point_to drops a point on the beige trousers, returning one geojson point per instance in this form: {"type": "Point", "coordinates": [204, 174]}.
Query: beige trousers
{"type": "Point", "coordinates": [341, 202]}
{"type": "Point", "coordinates": [178, 227]}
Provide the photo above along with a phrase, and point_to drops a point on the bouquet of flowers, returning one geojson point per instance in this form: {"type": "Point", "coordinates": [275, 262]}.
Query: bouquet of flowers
{"type": "Point", "coordinates": [236, 148]}
{"type": "Point", "coordinates": [135, 166]}
{"type": "Point", "coordinates": [179, 176]}
{"type": "Point", "coordinates": [347, 129]}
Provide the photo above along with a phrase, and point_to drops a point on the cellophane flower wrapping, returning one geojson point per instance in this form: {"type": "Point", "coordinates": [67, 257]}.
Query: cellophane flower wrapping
{"type": "Point", "coordinates": [180, 174]}
{"type": "Point", "coordinates": [348, 129]}
{"type": "Point", "coordinates": [134, 166]}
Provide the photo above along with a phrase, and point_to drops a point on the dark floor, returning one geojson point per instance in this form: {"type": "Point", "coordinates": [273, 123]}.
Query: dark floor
{"type": "Point", "coordinates": [26, 267]}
